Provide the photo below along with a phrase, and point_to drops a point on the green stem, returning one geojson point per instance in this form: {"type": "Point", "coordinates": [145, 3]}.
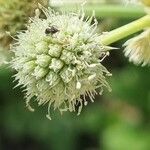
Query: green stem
{"type": "Point", "coordinates": [106, 10]}
{"type": "Point", "coordinates": [126, 30]}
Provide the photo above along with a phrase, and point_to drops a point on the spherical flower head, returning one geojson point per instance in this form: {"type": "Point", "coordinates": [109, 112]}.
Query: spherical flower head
{"type": "Point", "coordinates": [57, 60]}
{"type": "Point", "coordinates": [138, 49]}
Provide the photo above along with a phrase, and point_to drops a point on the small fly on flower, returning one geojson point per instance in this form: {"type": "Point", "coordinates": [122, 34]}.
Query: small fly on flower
{"type": "Point", "coordinates": [51, 30]}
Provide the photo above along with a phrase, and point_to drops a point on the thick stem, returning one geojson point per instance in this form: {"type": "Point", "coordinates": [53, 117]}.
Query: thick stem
{"type": "Point", "coordinates": [126, 30]}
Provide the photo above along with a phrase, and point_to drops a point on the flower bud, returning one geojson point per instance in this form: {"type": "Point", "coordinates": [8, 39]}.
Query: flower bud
{"type": "Point", "coordinates": [54, 50]}
{"type": "Point", "coordinates": [39, 72]}
{"type": "Point", "coordinates": [43, 60]}
{"type": "Point", "coordinates": [29, 66]}
{"type": "Point", "coordinates": [52, 78]}
{"type": "Point", "coordinates": [56, 64]}
{"type": "Point", "coordinates": [41, 47]}
{"type": "Point", "coordinates": [67, 75]}
{"type": "Point", "coordinates": [67, 56]}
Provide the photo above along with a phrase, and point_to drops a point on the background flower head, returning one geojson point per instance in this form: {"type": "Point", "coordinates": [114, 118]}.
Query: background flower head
{"type": "Point", "coordinates": [13, 16]}
{"type": "Point", "coordinates": [138, 48]}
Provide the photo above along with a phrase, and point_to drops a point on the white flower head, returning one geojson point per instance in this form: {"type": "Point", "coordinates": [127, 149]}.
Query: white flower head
{"type": "Point", "coordinates": [138, 49]}
{"type": "Point", "coordinates": [57, 60]}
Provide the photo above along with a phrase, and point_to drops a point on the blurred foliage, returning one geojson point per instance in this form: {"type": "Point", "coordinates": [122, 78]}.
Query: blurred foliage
{"type": "Point", "coordinates": [119, 120]}
{"type": "Point", "coordinates": [125, 137]}
{"type": "Point", "coordinates": [13, 18]}
{"type": "Point", "coordinates": [15, 13]}
{"type": "Point", "coordinates": [59, 2]}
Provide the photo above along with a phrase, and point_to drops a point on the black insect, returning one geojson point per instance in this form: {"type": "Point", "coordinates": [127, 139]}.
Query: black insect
{"type": "Point", "coordinates": [51, 30]}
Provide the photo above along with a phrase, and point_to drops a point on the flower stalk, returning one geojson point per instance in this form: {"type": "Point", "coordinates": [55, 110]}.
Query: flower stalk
{"type": "Point", "coordinates": [106, 10]}
{"type": "Point", "coordinates": [126, 30]}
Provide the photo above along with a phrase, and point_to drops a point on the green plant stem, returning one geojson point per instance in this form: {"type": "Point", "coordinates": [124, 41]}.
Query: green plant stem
{"type": "Point", "coordinates": [126, 30]}
{"type": "Point", "coordinates": [104, 11]}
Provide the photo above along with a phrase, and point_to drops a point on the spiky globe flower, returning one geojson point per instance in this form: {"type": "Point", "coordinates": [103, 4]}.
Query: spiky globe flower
{"type": "Point", "coordinates": [138, 49]}
{"type": "Point", "coordinates": [58, 61]}
{"type": "Point", "coordinates": [13, 16]}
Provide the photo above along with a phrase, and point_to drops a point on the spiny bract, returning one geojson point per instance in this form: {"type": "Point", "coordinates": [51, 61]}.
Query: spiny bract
{"type": "Point", "coordinates": [58, 61]}
{"type": "Point", "coordinates": [138, 49]}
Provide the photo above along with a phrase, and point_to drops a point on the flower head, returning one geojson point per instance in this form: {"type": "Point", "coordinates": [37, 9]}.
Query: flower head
{"type": "Point", "coordinates": [138, 49]}
{"type": "Point", "coordinates": [57, 61]}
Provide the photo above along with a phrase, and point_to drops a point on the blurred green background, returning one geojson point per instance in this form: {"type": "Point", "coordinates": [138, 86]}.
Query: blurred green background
{"type": "Point", "coordinates": [119, 120]}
